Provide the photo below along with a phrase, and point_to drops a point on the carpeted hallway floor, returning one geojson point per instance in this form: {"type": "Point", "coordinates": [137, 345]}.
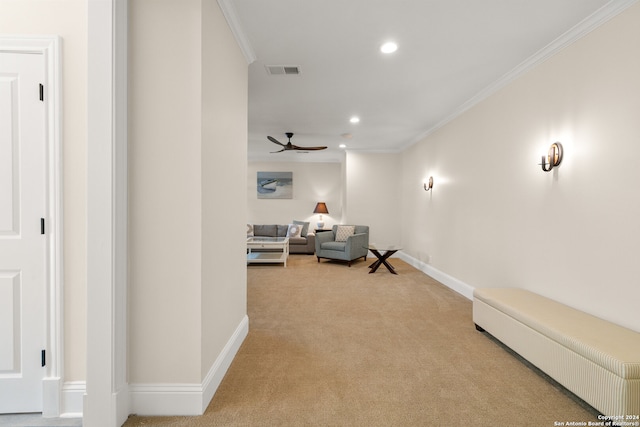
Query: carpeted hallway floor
{"type": "Point", "coordinates": [330, 345]}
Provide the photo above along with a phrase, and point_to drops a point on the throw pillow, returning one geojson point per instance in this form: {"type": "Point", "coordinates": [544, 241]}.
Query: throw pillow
{"type": "Point", "coordinates": [249, 230]}
{"type": "Point", "coordinates": [344, 231]}
{"type": "Point", "coordinates": [305, 227]}
{"type": "Point", "coordinates": [294, 230]}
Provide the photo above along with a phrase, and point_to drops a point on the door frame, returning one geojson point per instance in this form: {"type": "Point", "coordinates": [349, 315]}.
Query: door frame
{"type": "Point", "coordinates": [49, 47]}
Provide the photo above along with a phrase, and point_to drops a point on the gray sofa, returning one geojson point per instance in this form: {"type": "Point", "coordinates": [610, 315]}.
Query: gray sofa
{"type": "Point", "coordinates": [305, 244]}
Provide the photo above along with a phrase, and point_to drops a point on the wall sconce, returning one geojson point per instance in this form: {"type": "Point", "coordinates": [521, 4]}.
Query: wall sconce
{"type": "Point", "coordinates": [554, 157]}
{"type": "Point", "coordinates": [428, 186]}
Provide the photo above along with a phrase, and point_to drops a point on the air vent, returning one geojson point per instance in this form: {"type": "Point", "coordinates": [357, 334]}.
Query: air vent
{"type": "Point", "coordinates": [279, 70]}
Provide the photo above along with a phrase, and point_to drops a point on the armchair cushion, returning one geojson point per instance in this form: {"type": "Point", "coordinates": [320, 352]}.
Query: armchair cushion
{"type": "Point", "coordinates": [335, 246]}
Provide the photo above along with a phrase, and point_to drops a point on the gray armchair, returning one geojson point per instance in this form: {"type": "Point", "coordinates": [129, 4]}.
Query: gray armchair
{"type": "Point", "coordinates": [353, 248]}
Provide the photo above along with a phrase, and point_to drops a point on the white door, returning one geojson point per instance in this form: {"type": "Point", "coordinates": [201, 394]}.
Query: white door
{"type": "Point", "coordinates": [23, 246]}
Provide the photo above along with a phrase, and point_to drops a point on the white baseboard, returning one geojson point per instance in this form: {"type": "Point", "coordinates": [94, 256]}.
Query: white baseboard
{"type": "Point", "coordinates": [221, 365]}
{"type": "Point", "coordinates": [166, 399]}
{"type": "Point", "coordinates": [187, 399]}
{"type": "Point", "coordinates": [450, 282]}
{"type": "Point", "coordinates": [121, 405]}
{"type": "Point", "coordinates": [72, 399]}
{"type": "Point", "coordinates": [51, 396]}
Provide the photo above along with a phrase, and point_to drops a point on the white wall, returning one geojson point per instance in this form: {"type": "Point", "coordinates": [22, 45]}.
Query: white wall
{"type": "Point", "coordinates": [165, 190]}
{"type": "Point", "coordinates": [361, 190]}
{"type": "Point", "coordinates": [372, 194]}
{"type": "Point", "coordinates": [312, 183]}
{"type": "Point", "coordinates": [68, 19]}
{"type": "Point", "coordinates": [187, 107]}
{"type": "Point", "coordinates": [494, 218]}
{"type": "Point", "coordinates": [224, 171]}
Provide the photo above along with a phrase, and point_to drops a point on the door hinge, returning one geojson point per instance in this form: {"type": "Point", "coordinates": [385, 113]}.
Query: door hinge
{"type": "Point", "coordinates": [41, 92]}
{"type": "Point", "coordinates": [41, 225]}
{"type": "Point", "coordinates": [43, 356]}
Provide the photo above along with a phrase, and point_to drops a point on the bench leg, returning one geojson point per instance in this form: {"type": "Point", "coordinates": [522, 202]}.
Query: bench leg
{"type": "Point", "coordinates": [478, 328]}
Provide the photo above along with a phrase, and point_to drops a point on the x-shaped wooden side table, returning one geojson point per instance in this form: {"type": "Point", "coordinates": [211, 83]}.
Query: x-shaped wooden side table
{"type": "Point", "coordinates": [382, 258]}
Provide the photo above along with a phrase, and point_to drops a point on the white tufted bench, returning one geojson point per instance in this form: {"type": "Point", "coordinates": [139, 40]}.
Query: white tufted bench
{"type": "Point", "coordinates": [595, 359]}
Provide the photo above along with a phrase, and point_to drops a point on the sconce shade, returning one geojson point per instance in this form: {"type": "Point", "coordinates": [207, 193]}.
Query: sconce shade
{"type": "Point", "coordinates": [554, 157]}
{"type": "Point", "coordinates": [321, 208]}
{"type": "Point", "coordinates": [428, 186]}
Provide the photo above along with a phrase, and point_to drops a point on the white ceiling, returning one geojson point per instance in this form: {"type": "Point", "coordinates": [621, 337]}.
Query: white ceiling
{"type": "Point", "coordinates": [451, 53]}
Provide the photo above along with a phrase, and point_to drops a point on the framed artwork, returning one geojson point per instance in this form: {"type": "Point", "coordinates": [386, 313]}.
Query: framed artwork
{"type": "Point", "coordinates": [275, 185]}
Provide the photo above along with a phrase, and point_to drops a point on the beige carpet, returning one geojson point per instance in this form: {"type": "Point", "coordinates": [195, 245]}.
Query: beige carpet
{"type": "Point", "coordinates": [330, 345]}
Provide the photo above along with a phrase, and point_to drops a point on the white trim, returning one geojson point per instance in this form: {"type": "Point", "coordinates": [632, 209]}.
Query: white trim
{"type": "Point", "coordinates": [166, 399]}
{"type": "Point", "coordinates": [229, 12]}
{"type": "Point", "coordinates": [459, 286]}
{"type": "Point", "coordinates": [121, 401]}
{"type": "Point", "coordinates": [106, 401]}
{"type": "Point", "coordinates": [50, 47]}
{"type": "Point", "coordinates": [187, 399]}
{"type": "Point", "coordinates": [223, 361]}
{"type": "Point", "coordinates": [584, 27]}
{"type": "Point", "coordinates": [72, 396]}
{"type": "Point", "coordinates": [51, 397]}
{"type": "Point", "coordinates": [120, 214]}
{"type": "Point", "coordinates": [329, 158]}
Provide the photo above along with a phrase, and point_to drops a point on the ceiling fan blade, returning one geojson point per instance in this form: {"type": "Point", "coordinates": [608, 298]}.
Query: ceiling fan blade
{"type": "Point", "coordinates": [275, 141]}
{"type": "Point", "coordinates": [289, 146]}
{"type": "Point", "coordinates": [297, 147]}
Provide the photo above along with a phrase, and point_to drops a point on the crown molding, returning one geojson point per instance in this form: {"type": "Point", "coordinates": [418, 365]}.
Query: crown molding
{"type": "Point", "coordinates": [581, 29]}
{"type": "Point", "coordinates": [230, 15]}
{"type": "Point", "coordinates": [299, 158]}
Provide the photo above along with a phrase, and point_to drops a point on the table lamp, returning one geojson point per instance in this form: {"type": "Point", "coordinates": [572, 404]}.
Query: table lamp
{"type": "Point", "coordinates": [321, 208]}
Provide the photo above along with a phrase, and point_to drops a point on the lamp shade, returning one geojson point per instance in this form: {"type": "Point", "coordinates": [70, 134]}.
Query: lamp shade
{"type": "Point", "coordinates": [321, 208]}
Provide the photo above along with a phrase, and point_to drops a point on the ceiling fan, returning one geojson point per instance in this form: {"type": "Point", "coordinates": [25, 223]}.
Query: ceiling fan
{"type": "Point", "coordinates": [290, 146]}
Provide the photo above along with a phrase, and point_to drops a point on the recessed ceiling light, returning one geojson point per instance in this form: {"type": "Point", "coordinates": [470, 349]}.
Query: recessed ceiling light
{"type": "Point", "coordinates": [388, 47]}
{"type": "Point", "coordinates": [354, 119]}
{"type": "Point", "coordinates": [342, 146]}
